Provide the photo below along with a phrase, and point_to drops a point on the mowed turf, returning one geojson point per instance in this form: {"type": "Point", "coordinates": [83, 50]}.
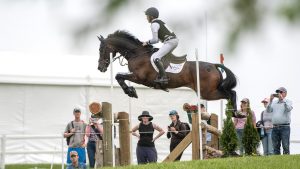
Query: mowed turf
{"type": "Point", "coordinates": [258, 162]}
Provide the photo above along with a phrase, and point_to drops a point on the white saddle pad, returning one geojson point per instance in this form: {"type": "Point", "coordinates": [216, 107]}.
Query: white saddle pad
{"type": "Point", "coordinates": [172, 68]}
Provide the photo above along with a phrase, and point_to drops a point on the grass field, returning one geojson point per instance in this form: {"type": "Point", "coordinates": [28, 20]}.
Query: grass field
{"type": "Point", "coordinates": [269, 162]}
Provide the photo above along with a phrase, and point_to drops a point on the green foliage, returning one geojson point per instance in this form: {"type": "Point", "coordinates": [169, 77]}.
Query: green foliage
{"type": "Point", "coordinates": [247, 17]}
{"type": "Point", "coordinates": [250, 138]}
{"type": "Point", "coordinates": [290, 10]}
{"type": "Point", "coordinates": [229, 140]}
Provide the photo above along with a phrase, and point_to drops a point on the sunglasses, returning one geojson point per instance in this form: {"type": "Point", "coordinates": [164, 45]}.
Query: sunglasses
{"type": "Point", "coordinates": [280, 92]}
{"type": "Point", "coordinates": [73, 156]}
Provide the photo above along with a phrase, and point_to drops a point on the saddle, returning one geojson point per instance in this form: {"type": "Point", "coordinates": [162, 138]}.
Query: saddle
{"type": "Point", "coordinates": [171, 58]}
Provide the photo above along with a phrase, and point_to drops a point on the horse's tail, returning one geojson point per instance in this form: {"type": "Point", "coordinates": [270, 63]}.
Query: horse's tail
{"type": "Point", "coordinates": [229, 82]}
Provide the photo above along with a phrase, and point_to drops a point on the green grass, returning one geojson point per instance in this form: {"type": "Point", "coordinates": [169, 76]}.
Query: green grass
{"type": "Point", "coordinates": [32, 166]}
{"type": "Point", "coordinates": [259, 162]}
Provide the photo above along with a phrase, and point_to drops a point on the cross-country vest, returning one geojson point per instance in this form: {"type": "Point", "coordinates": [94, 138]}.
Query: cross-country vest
{"type": "Point", "coordinates": [146, 135]}
{"type": "Point", "coordinates": [163, 32]}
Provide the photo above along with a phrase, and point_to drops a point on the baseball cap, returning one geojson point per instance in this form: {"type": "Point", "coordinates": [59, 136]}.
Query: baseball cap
{"type": "Point", "coordinates": [73, 153]}
{"type": "Point", "coordinates": [173, 112]}
{"type": "Point", "coordinates": [76, 109]}
{"type": "Point", "coordinates": [245, 100]}
{"type": "Point", "coordinates": [281, 89]}
{"type": "Point", "coordinates": [265, 100]}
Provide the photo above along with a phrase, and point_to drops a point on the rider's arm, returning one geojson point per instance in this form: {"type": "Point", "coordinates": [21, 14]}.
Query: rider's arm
{"type": "Point", "coordinates": [154, 29]}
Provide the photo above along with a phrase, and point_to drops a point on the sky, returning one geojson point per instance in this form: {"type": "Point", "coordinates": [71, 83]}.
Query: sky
{"type": "Point", "coordinates": [36, 40]}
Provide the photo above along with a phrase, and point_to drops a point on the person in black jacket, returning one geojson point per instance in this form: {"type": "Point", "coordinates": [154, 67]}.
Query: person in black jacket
{"type": "Point", "coordinates": [145, 150]}
{"type": "Point", "coordinates": [176, 131]}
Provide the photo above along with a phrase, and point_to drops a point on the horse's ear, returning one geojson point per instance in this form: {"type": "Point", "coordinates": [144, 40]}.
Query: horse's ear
{"type": "Point", "coordinates": [100, 38]}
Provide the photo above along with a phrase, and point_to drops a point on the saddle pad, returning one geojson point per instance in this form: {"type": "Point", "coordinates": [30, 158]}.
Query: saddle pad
{"type": "Point", "coordinates": [172, 67]}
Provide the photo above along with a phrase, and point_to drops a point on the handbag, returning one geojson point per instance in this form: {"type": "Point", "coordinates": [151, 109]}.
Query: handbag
{"type": "Point", "coordinates": [69, 138]}
{"type": "Point", "coordinates": [260, 127]}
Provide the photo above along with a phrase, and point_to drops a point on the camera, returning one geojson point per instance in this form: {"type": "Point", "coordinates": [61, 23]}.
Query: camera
{"type": "Point", "coordinates": [93, 120]}
{"type": "Point", "coordinates": [275, 95]}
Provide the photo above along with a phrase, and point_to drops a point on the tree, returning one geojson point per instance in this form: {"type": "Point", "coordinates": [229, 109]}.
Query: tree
{"type": "Point", "coordinates": [229, 140]}
{"type": "Point", "coordinates": [250, 139]}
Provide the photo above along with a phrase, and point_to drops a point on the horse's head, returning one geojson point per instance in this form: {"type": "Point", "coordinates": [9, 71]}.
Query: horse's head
{"type": "Point", "coordinates": [104, 54]}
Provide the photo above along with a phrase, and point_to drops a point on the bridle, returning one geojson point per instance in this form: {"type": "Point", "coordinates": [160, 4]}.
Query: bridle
{"type": "Point", "coordinates": [124, 54]}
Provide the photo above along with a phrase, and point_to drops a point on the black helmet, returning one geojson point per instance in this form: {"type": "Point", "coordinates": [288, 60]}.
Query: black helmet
{"type": "Point", "coordinates": [152, 12]}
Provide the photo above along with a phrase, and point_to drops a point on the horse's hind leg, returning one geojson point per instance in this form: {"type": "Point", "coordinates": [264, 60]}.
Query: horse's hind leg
{"type": "Point", "coordinates": [129, 90]}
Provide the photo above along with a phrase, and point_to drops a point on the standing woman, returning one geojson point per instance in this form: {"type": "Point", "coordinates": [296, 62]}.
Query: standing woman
{"type": "Point", "coordinates": [145, 150]}
{"type": "Point", "coordinates": [176, 131]}
{"type": "Point", "coordinates": [239, 123]}
{"type": "Point", "coordinates": [94, 133]}
{"type": "Point", "coordinates": [266, 118]}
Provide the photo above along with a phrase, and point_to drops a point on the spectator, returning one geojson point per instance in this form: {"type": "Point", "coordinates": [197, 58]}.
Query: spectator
{"type": "Point", "coordinates": [76, 130]}
{"type": "Point", "coordinates": [266, 119]}
{"type": "Point", "coordinates": [75, 163]}
{"type": "Point", "coordinates": [145, 150]}
{"type": "Point", "coordinates": [203, 112]}
{"type": "Point", "coordinates": [94, 133]}
{"type": "Point", "coordinates": [281, 118]}
{"type": "Point", "coordinates": [176, 131]}
{"type": "Point", "coordinates": [240, 121]}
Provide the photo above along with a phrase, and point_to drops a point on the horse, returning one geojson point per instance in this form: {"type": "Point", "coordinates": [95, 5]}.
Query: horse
{"type": "Point", "coordinates": [212, 87]}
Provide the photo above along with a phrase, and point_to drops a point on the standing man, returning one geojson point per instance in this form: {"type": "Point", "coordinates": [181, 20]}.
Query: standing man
{"type": "Point", "coordinates": [160, 32]}
{"type": "Point", "coordinates": [176, 131]}
{"type": "Point", "coordinates": [76, 131]}
{"type": "Point", "coordinates": [281, 110]}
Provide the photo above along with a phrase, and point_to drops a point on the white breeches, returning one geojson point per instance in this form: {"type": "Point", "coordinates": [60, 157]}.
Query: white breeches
{"type": "Point", "coordinates": [166, 48]}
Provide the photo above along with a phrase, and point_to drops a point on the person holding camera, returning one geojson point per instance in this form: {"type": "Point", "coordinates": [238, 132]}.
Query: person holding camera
{"type": "Point", "coordinates": [281, 118]}
{"type": "Point", "coordinates": [75, 130]}
{"type": "Point", "coordinates": [145, 150]}
{"type": "Point", "coordinates": [94, 132]}
{"type": "Point", "coordinates": [176, 131]}
{"type": "Point", "coordinates": [239, 122]}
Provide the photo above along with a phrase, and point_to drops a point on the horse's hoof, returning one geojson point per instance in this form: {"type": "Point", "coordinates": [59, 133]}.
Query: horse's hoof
{"type": "Point", "coordinates": [131, 92]}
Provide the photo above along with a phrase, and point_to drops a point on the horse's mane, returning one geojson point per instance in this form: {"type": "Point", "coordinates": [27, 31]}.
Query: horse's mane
{"type": "Point", "coordinates": [128, 36]}
{"type": "Point", "coordinates": [125, 35]}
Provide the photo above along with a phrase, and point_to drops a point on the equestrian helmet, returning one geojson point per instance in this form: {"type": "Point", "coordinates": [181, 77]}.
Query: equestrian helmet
{"type": "Point", "coordinates": [152, 12]}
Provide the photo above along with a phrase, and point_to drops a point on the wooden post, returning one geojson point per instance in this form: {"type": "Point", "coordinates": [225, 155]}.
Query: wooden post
{"type": "Point", "coordinates": [214, 138]}
{"type": "Point", "coordinates": [124, 138]}
{"type": "Point", "coordinates": [179, 148]}
{"type": "Point", "coordinates": [204, 130]}
{"type": "Point", "coordinates": [212, 150]}
{"type": "Point", "coordinates": [195, 137]}
{"type": "Point", "coordinates": [107, 134]}
{"type": "Point", "coordinates": [99, 154]}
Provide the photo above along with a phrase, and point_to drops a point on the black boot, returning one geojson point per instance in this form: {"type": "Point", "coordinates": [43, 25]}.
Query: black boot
{"type": "Point", "coordinates": [162, 77]}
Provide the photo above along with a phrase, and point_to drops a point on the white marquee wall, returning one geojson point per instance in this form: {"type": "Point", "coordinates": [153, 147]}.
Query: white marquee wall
{"type": "Point", "coordinates": [36, 107]}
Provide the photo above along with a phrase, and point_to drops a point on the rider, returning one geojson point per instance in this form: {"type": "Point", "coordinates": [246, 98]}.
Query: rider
{"type": "Point", "coordinates": [165, 35]}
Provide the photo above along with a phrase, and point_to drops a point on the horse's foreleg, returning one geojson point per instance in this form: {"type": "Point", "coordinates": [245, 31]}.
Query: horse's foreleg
{"type": "Point", "coordinates": [129, 90]}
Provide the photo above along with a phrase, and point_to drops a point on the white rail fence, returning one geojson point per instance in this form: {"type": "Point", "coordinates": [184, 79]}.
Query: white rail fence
{"type": "Point", "coordinates": [6, 138]}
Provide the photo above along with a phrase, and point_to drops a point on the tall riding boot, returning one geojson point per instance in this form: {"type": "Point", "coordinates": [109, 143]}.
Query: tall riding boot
{"type": "Point", "coordinates": [162, 77]}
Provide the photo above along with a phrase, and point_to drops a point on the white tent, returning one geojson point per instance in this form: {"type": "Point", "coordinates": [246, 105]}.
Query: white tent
{"type": "Point", "coordinates": [36, 106]}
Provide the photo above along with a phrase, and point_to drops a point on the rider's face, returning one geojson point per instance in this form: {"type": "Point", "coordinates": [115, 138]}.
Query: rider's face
{"type": "Point", "coordinates": [149, 18]}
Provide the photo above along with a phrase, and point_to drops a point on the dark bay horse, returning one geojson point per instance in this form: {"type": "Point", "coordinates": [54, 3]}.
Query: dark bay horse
{"type": "Point", "coordinates": [212, 84]}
